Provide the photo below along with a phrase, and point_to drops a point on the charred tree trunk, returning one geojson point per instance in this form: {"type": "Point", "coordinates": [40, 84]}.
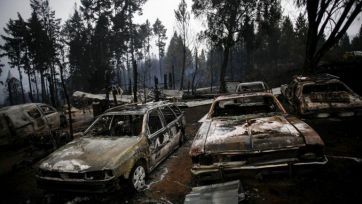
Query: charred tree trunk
{"type": "Point", "coordinates": [173, 78]}
{"type": "Point", "coordinates": [21, 84]}
{"type": "Point", "coordinates": [43, 90]}
{"type": "Point", "coordinates": [223, 69]}
{"type": "Point", "coordinates": [51, 86]}
{"type": "Point", "coordinates": [67, 100]}
{"type": "Point", "coordinates": [194, 75]}
{"type": "Point", "coordinates": [165, 81]}
{"type": "Point", "coordinates": [36, 87]}
{"type": "Point", "coordinates": [30, 87]}
{"type": "Point", "coordinates": [170, 83]}
{"type": "Point", "coordinates": [183, 63]}
{"type": "Point", "coordinates": [160, 63]}
{"type": "Point", "coordinates": [135, 75]}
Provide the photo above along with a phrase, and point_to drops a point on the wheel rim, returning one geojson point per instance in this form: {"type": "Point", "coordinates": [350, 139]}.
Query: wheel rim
{"type": "Point", "coordinates": [138, 179]}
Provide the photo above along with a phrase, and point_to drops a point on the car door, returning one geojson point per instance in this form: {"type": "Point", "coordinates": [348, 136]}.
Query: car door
{"type": "Point", "coordinates": [51, 116]}
{"type": "Point", "coordinates": [158, 136]}
{"type": "Point", "coordinates": [172, 125]}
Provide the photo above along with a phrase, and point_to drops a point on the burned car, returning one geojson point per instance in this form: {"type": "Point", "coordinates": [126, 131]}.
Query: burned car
{"type": "Point", "coordinates": [252, 131]}
{"type": "Point", "coordinates": [255, 86]}
{"type": "Point", "coordinates": [121, 146]}
{"type": "Point", "coordinates": [321, 96]}
{"type": "Point", "coordinates": [31, 122]}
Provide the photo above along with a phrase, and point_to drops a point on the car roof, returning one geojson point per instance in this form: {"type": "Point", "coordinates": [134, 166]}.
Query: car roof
{"type": "Point", "coordinates": [20, 106]}
{"type": "Point", "coordinates": [138, 108]}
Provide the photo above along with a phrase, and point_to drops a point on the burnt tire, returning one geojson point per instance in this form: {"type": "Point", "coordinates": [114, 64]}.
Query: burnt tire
{"type": "Point", "coordinates": [137, 178]}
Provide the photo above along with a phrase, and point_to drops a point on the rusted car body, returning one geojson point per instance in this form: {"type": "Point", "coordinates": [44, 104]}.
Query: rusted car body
{"type": "Point", "coordinates": [32, 121]}
{"type": "Point", "coordinates": [255, 86]}
{"type": "Point", "coordinates": [321, 96]}
{"type": "Point", "coordinates": [124, 143]}
{"type": "Point", "coordinates": [252, 131]}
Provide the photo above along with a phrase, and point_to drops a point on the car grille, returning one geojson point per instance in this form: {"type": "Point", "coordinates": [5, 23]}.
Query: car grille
{"type": "Point", "coordinates": [62, 175]}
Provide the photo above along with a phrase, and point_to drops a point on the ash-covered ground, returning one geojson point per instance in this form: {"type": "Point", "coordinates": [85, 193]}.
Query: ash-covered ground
{"type": "Point", "coordinates": [338, 181]}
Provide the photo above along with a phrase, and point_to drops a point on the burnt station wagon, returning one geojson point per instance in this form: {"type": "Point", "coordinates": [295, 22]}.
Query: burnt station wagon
{"type": "Point", "coordinates": [123, 144]}
{"type": "Point", "coordinates": [252, 131]}
{"type": "Point", "coordinates": [321, 96]}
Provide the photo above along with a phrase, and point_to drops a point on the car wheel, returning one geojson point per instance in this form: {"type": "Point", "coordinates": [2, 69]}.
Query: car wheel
{"type": "Point", "coordinates": [138, 177]}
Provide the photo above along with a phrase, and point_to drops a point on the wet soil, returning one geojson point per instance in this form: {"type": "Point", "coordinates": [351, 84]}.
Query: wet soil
{"type": "Point", "coordinates": [338, 181]}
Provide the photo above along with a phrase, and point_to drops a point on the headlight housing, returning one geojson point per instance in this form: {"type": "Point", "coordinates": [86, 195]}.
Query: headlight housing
{"type": "Point", "coordinates": [99, 175]}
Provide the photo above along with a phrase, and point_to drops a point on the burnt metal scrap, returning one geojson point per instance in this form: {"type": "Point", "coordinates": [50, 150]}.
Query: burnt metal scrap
{"type": "Point", "coordinates": [33, 122]}
{"type": "Point", "coordinates": [321, 96]}
{"type": "Point", "coordinates": [230, 192]}
{"type": "Point", "coordinates": [125, 143]}
{"type": "Point", "coordinates": [252, 131]}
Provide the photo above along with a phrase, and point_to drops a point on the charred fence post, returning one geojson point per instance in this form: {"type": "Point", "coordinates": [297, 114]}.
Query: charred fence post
{"type": "Point", "coordinates": [114, 92]}
{"type": "Point", "coordinates": [170, 81]}
{"type": "Point", "coordinates": [157, 94]}
{"type": "Point", "coordinates": [165, 81]}
{"type": "Point", "coordinates": [188, 87]}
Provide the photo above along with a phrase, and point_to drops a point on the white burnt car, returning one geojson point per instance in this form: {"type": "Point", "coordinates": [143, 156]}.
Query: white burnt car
{"type": "Point", "coordinates": [31, 122]}
{"type": "Point", "coordinates": [122, 145]}
{"type": "Point", "coordinates": [321, 96]}
{"type": "Point", "coordinates": [255, 86]}
{"type": "Point", "coordinates": [252, 131]}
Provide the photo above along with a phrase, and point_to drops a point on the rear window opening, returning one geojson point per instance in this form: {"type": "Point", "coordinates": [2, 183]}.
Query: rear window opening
{"type": "Point", "coordinates": [320, 88]}
{"type": "Point", "coordinates": [250, 88]}
{"type": "Point", "coordinates": [245, 106]}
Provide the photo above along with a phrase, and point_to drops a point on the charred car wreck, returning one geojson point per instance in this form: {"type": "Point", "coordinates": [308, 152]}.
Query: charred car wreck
{"type": "Point", "coordinates": [252, 131]}
{"type": "Point", "coordinates": [321, 96]}
{"type": "Point", "coordinates": [32, 122]}
{"type": "Point", "coordinates": [123, 144]}
{"type": "Point", "coordinates": [255, 86]}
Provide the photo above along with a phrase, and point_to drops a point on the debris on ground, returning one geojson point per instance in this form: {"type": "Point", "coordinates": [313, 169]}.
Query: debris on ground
{"type": "Point", "coordinates": [230, 192]}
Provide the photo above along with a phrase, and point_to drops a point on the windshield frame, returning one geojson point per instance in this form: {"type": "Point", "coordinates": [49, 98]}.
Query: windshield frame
{"type": "Point", "coordinates": [112, 114]}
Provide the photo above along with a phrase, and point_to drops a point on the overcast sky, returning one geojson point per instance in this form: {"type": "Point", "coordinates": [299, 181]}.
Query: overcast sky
{"type": "Point", "coordinates": [162, 9]}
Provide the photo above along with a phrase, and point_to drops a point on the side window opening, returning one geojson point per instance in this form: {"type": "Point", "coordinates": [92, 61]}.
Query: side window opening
{"type": "Point", "coordinates": [176, 110]}
{"type": "Point", "coordinates": [47, 110]}
{"type": "Point", "coordinates": [34, 113]}
{"type": "Point", "coordinates": [168, 114]}
{"type": "Point", "coordinates": [154, 122]}
{"type": "Point", "coordinates": [130, 125]}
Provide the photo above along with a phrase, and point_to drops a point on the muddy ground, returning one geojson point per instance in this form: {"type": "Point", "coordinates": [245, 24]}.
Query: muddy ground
{"type": "Point", "coordinates": [338, 181]}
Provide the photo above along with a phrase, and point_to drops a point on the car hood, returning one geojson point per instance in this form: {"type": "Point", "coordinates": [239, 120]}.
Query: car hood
{"type": "Point", "coordinates": [253, 135]}
{"type": "Point", "coordinates": [89, 154]}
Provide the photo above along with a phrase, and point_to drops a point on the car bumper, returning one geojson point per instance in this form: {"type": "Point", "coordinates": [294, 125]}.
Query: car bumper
{"type": "Point", "coordinates": [78, 185]}
{"type": "Point", "coordinates": [223, 170]}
